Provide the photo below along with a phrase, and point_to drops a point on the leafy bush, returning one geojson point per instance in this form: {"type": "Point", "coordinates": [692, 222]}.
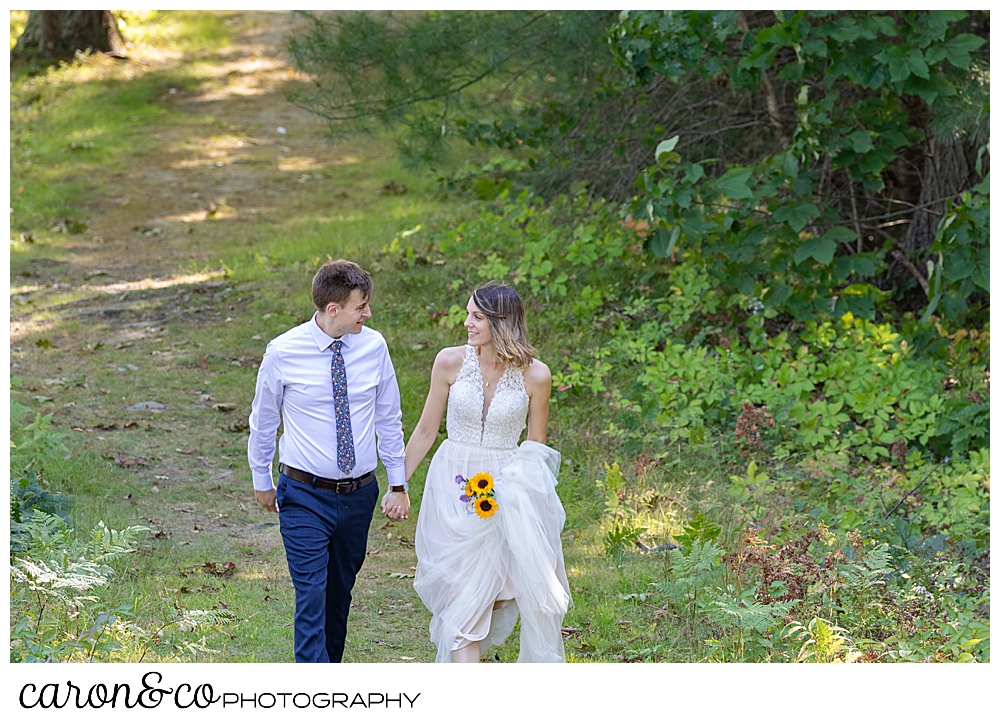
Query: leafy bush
{"type": "Point", "coordinates": [32, 447]}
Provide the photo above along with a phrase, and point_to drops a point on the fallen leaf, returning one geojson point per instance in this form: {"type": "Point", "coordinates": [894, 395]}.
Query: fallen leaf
{"type": "Point", "coordinates": [392, 188]}
{"type": "Point", "coordinates": [123, 461]}
{"type": "Point", "coordinates": [226, 569]}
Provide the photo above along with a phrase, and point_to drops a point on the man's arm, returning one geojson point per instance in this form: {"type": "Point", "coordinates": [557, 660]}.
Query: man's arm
{"type": "Point", "coordinates": [265, 416]}
{"type": "Point", "coordinates": [389, 436]}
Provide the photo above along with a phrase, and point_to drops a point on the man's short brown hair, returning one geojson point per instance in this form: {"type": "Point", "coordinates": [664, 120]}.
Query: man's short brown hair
{"type": "Point", "coordinates": [335, 281]}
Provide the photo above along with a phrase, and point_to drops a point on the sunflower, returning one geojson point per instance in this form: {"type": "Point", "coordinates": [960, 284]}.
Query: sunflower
{"type": "Point", "coordinates": [486, 507]}
{"type": "Point", "coordinates": [482, 483]}
{"type": "Point", "coordinates": [470, 491]}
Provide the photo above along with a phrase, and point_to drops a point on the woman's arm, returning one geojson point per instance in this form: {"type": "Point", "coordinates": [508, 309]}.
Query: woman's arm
{"type": "Point", "coordinates": [446, 366]}
{"type": "Point", "coordinates": [538, 384]}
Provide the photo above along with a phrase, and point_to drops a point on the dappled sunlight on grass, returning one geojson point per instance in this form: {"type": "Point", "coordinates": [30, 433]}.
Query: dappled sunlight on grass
{"type": "Point", "coordinates": [298, 163]}
{"type": "Point", "coordinates": [25, 289]}
{"type": "Point", "coordinates": [42, 321]}
{"type": "Point", "coordinates": [179, 280]}
{"type": "Point", "coordinates": [184, 30]}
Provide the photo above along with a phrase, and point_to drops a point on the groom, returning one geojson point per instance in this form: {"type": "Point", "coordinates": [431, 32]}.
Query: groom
{"type": "Point", "coordinates": [332, 383]}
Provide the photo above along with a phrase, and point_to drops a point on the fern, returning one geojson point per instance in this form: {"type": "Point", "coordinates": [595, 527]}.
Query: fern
{"type": "Point", "coordinates": [697, 568]}
{"type": "Point", "coordinates": [750, 616]}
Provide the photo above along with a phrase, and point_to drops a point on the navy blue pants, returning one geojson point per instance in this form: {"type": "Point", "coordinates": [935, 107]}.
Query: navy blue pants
{"type": "Point", "coordinates": [325, 536]}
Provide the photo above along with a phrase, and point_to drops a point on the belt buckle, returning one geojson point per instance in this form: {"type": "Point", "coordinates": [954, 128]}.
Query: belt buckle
{"type": "Point", "coordinates": [344, 486]}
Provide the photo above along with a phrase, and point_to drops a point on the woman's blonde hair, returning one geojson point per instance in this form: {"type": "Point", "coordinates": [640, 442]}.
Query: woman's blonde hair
{"type": "Point", "coordinates": [505, 312]}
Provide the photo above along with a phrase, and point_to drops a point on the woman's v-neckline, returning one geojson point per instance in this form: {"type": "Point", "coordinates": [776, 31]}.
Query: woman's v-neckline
{"type": "Point", "coordinates": [481, 383]}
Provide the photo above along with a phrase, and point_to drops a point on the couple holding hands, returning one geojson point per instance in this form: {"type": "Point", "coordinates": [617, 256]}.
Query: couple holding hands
{"type": "Point", "coordinates": [488, 535]}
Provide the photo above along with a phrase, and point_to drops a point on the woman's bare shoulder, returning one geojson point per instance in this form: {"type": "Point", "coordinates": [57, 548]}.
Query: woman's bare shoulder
{"type": "Point", "coordinates": [450, 358]}
{"type": "Point", "coordinates": [537, 374]}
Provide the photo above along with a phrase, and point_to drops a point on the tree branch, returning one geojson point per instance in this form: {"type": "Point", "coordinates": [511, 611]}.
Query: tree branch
{"type": "Point", "coordinates": [909, 266]}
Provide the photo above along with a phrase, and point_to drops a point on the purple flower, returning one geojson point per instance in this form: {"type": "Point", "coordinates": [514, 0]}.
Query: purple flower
{"type": "Point", "coordinates": [464, 498]}
{"type": "Point", "coordinates": [459, 479]}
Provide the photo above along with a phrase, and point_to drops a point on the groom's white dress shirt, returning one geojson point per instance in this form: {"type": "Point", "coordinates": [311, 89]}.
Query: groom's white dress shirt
{"type": "Point", "coordinates": [294, 382]}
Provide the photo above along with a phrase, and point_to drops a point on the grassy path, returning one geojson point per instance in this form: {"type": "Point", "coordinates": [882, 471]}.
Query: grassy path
{"type": "Point", "coordinates": [189, 201]}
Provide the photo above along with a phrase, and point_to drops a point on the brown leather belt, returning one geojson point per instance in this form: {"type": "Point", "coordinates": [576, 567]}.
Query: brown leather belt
{"type": "Point", "coordinates": [342, 486]}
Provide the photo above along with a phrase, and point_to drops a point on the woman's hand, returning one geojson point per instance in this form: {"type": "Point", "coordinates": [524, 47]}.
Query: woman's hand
{"type": "Point", "coordinates": [396, 505]}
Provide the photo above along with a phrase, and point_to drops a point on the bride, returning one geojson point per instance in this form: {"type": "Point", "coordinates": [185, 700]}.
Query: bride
{"type": "Point", "coordinates": [483, 560]}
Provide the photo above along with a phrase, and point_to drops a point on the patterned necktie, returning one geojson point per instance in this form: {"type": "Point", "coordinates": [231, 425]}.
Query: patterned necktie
{"type": "Point", "coordinates": [342, 412]}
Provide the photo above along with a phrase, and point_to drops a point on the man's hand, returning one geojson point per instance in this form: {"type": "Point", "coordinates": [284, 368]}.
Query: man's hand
{"type": "Point", "coordinates": [268, 499]}
{"type": "Point", "coordinates": [396, 505]}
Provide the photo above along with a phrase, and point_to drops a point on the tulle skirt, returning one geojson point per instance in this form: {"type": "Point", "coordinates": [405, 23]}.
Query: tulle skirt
{"type": "Point", "coordinates": [477, 575]}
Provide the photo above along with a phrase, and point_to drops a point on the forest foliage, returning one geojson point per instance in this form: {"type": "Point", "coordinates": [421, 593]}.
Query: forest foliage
{"type": "Point", "coordinates": [759, 235]}
{"type": "Point", "coordinates": [821, 162]}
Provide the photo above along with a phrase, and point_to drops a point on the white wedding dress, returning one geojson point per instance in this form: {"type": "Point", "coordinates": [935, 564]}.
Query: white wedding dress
{"type": "Point", "coordinates": [476, 575]}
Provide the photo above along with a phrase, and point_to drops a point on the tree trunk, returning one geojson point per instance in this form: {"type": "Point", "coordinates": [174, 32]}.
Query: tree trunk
{"type": "Point", "coordinates": [60, 33]}
{"type": "Point", "coordinates": [49, 45]}
{"type": "Point", "coordinates": [948, 170]}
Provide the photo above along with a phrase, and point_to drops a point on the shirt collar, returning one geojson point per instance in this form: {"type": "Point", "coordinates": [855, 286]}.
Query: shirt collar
{"type": "Point", "coordinates": [322, 339]}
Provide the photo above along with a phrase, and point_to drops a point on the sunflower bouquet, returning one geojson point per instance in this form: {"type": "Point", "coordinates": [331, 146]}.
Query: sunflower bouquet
{"type": "Point", "coordinates": [478, 492]}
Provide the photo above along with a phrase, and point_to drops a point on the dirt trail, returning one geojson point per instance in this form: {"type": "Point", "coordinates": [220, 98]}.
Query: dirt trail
{"type": "Point", "coordinates": [216, 174]}
{"type": "Point", "coordinates": [232, 151]}
{"type": "Point", "coordinates": [91, 335]}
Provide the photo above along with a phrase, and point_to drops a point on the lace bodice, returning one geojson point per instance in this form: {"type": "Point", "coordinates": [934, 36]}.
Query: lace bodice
{"type": "Point", "coordinates": [505, 417]}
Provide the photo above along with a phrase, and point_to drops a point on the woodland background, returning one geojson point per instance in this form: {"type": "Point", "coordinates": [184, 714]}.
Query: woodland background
{"type": "Point", "coordinates": [754, 249]}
